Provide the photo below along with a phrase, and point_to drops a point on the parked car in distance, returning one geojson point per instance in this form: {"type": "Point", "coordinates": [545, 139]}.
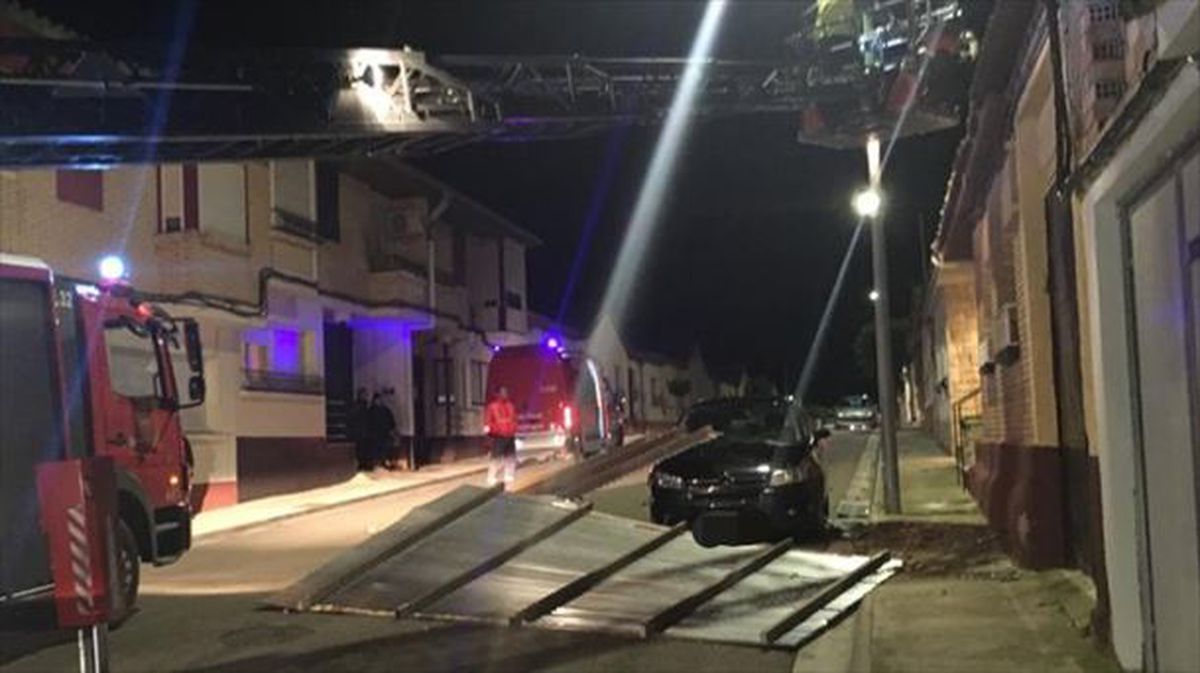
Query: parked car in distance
{"type": "Point", "coordinates": [856, 413]}
{"type": "Point", "coordinates": [757, 480]}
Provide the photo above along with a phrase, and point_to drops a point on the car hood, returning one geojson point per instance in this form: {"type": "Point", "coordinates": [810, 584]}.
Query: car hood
{"type": "Point", "coordinates": [723, 457]}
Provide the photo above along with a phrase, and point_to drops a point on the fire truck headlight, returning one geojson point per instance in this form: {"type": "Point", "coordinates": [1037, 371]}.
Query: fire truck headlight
{"type": "Point", "coordinates": [112, 268]}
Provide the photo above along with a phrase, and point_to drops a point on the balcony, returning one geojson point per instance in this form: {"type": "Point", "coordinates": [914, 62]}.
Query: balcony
{"type": "Point", "coordinates": [281, 382]}
{"type": "Point", "coordinates": [296, 225]}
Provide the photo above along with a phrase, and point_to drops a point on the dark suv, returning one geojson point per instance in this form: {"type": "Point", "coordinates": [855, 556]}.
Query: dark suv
{"type": "Point", "coordinates": [757, 480]}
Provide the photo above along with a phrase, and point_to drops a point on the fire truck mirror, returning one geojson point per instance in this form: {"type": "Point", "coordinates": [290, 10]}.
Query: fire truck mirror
{"type": "Point", "coordinates": [196, 389]}
{"type": "Point", "coordinates": [195, 353]}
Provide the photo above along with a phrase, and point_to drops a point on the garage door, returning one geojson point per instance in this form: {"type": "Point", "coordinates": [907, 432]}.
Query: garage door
{"type": "Point", "coordinates": [1164, 278]}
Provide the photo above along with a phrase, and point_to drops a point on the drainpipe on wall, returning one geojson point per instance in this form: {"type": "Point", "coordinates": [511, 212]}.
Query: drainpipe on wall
{"type": "Point", "coordinates": [1083, 536]}
{"type": "Point", "coordinates": [431, 269]}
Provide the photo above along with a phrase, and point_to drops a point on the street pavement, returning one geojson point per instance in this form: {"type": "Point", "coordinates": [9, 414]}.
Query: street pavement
{"type": "Point", "coordinates": [958, 605]}
{"type": "Point", "coordinates": [203, 613]}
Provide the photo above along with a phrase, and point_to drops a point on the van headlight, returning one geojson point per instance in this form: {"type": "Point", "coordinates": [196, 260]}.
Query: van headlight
{"type": "Point", "coordinates": [665, 480]}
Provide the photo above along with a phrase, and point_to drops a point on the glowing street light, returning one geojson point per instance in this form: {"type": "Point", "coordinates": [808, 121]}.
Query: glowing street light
{"type": "Point", "coordinates": [868, 202]}
{"type": "Point", "coordinates": [663, 162]}
{"type": "Point", "coordinates": [112, 268]}
{"type": "Point", "coordinates": [873, 295]}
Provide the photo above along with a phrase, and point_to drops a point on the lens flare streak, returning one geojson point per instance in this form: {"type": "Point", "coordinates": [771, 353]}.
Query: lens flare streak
{"type": "Point", "coordinates": [663, 163]}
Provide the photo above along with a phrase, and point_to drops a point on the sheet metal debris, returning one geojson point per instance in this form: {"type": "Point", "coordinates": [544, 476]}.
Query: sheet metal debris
{"type": "Point", "coordinates": [482, 555]}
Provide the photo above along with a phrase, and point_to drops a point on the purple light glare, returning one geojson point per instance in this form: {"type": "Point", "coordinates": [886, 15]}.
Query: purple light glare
{"type": "Point", "coordinates": [552, 343]}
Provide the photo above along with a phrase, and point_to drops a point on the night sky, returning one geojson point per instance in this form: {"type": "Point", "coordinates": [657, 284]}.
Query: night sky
{"type": "Point", "coordinates": [754, 228]}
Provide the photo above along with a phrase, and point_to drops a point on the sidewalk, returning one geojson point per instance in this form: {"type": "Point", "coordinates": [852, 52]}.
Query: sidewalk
{"type": "Point", "coordinates": [960, 604]}
{"type": "Point", "coordinates": [360, 487]}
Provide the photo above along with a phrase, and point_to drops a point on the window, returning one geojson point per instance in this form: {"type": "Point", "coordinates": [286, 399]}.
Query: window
{"type": "Point", "coordinates": [222, 201]}
{"type": "Point", "coordinates": [478, 382]}
{"type": "Point", "coordinates": [287, 354]}
{"type": "Point", "coordinates": [443, 381]}
{"type": "Point", "coordinates": [178, 198]}
{"type": "Point", "coordinates": [82, 188]}
{"type": "Point", "coordinates": [1107, 89]}
{"type": "Point", "coordinates": [132, 366]}
{"type": "Point", "coordinates": [30, 426]}
{"type": "Point", "coordinates": [514, 300]}
{"type": "Point", "coordinates": [1108, 50]}
{"type": "Point", "coordinates": [1103, 11]}
{"type": "Point", "coordinates": [292, 187]}
{"type": "Point", "coordinates": [328, 226]}
{"type": "Point", "coordinates": [254, 357]}
{"type": "Point", "coordinates": [279, 359]}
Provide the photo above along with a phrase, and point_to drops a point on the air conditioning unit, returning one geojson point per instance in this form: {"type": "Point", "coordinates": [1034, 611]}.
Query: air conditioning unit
{"type": "Point", "coordinates": [401, 224]}
{"type": "Point", "coordinates": [986, 364]}
{"type": "Point", "coordinates": [1006, 334]}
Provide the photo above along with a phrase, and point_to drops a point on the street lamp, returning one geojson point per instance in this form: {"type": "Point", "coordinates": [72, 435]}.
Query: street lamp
{"type": "Point", "coordinates": [873, 295]}
{"type": "Point", "coordinates": [868, 202]}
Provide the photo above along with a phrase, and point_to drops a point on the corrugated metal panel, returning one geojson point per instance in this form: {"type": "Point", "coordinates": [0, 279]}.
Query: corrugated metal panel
{"type": "Point", "coordinates": [628, 600]}
{"type": "Point", "coordinates": [753, 605]}
{"type": "Point", "coordinates": [476, 536]}
{"type": "Point", "coordinates": [584, 546]}
{"type": "Point", "coordinates": [508, 558]}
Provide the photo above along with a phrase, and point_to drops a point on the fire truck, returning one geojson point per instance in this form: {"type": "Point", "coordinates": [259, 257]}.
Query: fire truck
{"type": "Point", "coordinates": [562, 402]}
{"type": "Point", "coordinates": [92, 370]}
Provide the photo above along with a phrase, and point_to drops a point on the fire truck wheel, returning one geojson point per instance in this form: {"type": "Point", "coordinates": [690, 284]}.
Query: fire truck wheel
{"type": "Point", "coordinates": [128, 565]}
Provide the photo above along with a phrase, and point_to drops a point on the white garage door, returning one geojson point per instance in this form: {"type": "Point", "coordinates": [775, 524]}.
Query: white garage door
{"type": "Point", "coordinates": [1164, 277]}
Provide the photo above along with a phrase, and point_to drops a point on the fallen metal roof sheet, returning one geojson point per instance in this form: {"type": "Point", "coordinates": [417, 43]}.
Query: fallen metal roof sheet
{"type": "Point", "coordinates": [480, 555]}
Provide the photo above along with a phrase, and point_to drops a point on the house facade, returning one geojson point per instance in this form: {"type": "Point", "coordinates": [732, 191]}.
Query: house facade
{"type": "Point", "coordinates": [1075, 314]}
{"type": "Point", "coordinates": [309, 280]}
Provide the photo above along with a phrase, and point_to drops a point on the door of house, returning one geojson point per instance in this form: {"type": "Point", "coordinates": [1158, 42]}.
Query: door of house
{"type": "Point", "coordinates": [420, 440]}
{"type": "Point", "coordinates": [1163, 274]}
{"type": "Point", "coordinates": [339, 380]}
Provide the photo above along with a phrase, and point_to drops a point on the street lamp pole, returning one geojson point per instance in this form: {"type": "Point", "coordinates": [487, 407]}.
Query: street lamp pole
{"type": "Point", "coordinates": [885, 371]}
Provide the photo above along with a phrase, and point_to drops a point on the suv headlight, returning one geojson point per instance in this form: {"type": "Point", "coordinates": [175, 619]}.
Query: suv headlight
{"type": "Point", "coordinates": [782, 476]}
{"type": "Point", "coordinates": [671, 481]}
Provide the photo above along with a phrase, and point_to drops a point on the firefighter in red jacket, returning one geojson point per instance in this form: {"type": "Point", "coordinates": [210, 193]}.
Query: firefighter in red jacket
{"type": "Point", "coordinates": [500, 423]}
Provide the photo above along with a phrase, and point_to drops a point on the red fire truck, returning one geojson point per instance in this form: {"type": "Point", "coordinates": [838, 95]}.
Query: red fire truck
{"type": "Point", "coordinates": [92, 370]}
{"type": "Point", "coordinates": [561, 400]}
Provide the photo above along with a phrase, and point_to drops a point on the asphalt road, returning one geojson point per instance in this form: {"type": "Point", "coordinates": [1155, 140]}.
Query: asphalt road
{"type": "Point", "coordinates": [203, 613]}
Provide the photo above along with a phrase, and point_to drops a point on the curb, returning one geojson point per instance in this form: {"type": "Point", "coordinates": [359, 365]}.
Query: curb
{"type": "Point", "coordinates": [858, 505]}
{"type": "Point", "coordinates": [350, 501]}
{"type": "Point", "coordinates": [864, 627]}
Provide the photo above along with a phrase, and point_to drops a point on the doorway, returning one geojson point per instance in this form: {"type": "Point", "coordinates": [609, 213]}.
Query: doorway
{"type": "Point", "coordinates": [420, 440]}
{"type": "Point", "coordinates": [1162, 249]}
{"type": "Point", "coordinates": [339, 381]}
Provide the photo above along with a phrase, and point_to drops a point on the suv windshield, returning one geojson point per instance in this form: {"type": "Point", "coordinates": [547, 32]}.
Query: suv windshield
{"type": "Point", "coordinates": [758, 420]}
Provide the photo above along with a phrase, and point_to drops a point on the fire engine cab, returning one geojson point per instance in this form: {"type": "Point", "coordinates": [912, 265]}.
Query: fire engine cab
{"type": "Point", "coordinates": [92, 370]}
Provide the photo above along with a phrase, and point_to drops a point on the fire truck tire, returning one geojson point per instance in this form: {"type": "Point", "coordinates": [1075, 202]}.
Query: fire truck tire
{"type": "Point", "coordinates": [128, 565]}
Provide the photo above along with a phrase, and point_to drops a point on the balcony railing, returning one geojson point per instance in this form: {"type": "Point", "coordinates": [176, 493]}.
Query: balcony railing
{"type": "Point", "coordinates": [281, 382]}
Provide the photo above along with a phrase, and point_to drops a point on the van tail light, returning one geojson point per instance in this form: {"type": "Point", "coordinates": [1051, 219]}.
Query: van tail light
{"type": "Point", "coordinates": [568, 417]}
